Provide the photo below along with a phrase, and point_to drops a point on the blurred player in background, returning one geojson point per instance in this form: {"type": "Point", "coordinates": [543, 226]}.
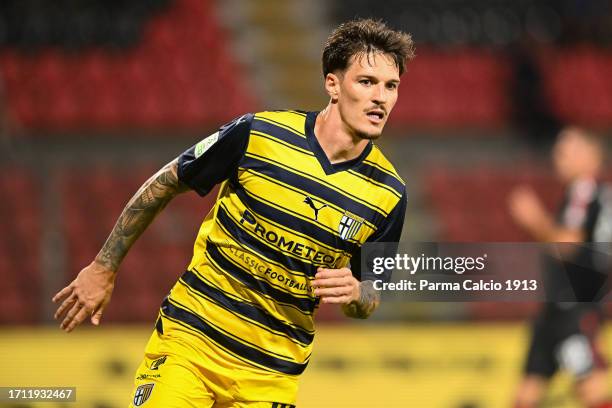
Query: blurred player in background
{"type": "Point", "coordinates": [301, 193]}
{"type": "Point", "coordinates": [565, 334]}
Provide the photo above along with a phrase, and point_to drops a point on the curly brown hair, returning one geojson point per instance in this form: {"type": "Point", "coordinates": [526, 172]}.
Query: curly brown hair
{"type": "Point", "coordinates": [365, 36]}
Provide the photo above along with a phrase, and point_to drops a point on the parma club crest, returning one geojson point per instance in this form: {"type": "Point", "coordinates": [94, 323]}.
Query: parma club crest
{"type": "Point", "coordinates": [143, 392]}
{"type": "Point", "coordinates": [349, 226]}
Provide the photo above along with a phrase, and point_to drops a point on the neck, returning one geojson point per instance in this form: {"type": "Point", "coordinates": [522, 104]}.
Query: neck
{"type": "Point", "coordinates": [586, 176]}
{"type": "Point", "coordinates": [337, 141]}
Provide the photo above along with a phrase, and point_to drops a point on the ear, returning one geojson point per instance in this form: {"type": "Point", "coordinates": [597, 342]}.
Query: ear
{"type": "Point", "coordinates": [332, 86]}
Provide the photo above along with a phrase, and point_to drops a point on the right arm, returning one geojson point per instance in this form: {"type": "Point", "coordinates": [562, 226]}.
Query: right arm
{"type": "Point", "coordinates": [89, 293]}
{"type": "Point", "coordinates": [143, 207]}
{"type": "Point", "coordinates": [200, 168]}
{"type": "Point", "coordinates": [530, 214]}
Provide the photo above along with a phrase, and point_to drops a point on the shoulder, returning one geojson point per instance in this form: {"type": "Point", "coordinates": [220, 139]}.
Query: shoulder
{"type": "Point", "coordinates": [603, 195]}
{"type": "Point", "coordinates": [292, 119]}
{"type": "Point", "coordinates": [243, 121]}
{"type": "Point", "coordinates": [379, 161]}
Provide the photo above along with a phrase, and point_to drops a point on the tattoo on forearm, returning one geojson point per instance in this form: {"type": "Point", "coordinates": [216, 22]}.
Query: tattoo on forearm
{"type": "Point", "coordinates": [367, 303]}
{"type": "Point", "coordinates": [149, 200]}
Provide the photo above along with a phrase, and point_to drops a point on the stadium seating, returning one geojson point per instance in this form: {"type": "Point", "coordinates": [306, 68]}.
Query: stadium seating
{"type": "Point", "coordinates": [578, 83]}
{"type": "Point", "coordinates": [470, 87]}
{"type": "Point", "coordinates": [20, 242]}
{"type": "Point", "coordinates": [37, 24]}
{"type": "Point", "coordinates": [444, 89]}
{"type": "Point", "coordinates": [174, 70]}
{"type": "Point", "coordinates": [463, 73]}
{"type": "Point", "coordinates": [471, 203]}
{"type": "Point", "coordinates": [93, 200]}
{"type": "Point", "coordinates": [180, 75]}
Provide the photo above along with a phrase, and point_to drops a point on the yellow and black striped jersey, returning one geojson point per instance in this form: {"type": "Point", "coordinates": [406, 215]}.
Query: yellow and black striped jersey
{"type": "Point", "coordinates": [282, 211]}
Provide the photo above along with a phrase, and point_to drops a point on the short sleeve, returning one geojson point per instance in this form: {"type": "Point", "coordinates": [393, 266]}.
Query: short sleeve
{"type": "Point", "coordinates": [390, 232]}
{"type": "Point", "coordinates": [216, 157]}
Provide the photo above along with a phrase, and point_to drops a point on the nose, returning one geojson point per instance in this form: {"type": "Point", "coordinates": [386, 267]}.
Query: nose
{"type": "Point", "coordinates": [380, 94]}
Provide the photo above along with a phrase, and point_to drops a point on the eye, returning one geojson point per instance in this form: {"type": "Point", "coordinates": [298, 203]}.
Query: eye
{"type": "Point", "coordinates": [392, 86]}
{"type": "Point", "coordinates": [365, 82]}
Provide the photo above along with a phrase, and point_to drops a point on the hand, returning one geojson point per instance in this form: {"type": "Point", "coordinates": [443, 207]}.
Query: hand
{"type": "Point", "coordinates": [336, 286]}
{"type": "Point", "coordinates": [86, 296]}
{"type": "Point", "coordinates": [526, 208]}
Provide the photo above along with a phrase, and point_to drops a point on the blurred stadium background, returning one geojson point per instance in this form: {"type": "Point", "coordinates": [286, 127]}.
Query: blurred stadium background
{"type": "Point", "coordinates": [96, 95]}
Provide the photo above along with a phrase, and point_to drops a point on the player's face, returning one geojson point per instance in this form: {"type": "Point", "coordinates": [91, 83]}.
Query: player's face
{"type": "Point", "coordinates": [573, 156]}
{"type": "Point", "coordinates": [367, 92]}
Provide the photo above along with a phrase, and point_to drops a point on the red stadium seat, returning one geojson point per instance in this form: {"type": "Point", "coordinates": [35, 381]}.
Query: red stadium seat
{"type": "Point", "coordinates": [143, 279]}
{"type": "Point", "coordinates": [472, 203]}
{"type": "Point", "coordinates": [162, 82]}
{"type": "Point", "coordinates": [20, 248]}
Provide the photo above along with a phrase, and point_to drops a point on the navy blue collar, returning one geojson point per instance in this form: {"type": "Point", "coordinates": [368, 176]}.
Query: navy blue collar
{"type": "Point", "coordinates": [316, 148]}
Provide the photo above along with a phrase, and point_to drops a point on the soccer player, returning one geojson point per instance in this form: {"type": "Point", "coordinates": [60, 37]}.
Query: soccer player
{"type": "Point", "coordinates": [565, 334]}
{"type": "Point", "coordinates": [300, 193]}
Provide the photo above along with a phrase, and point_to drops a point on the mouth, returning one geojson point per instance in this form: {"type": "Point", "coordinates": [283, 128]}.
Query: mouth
{"type": "Point", "coordinates": [376, 116]}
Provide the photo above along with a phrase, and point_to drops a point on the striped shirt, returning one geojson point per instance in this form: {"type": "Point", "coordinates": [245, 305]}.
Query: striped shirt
{"type": "Point", "coordinates": [282, 211]}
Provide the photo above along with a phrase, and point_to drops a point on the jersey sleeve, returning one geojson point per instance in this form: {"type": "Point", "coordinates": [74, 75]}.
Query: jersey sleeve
{"type": "Point", "coordinates": [390, 232]}
{"type": "Point", "coordinates": [216, 157]}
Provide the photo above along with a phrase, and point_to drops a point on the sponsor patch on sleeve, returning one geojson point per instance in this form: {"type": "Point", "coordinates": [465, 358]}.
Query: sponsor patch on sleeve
{"type": "Point", "coordinates": [205, 144]}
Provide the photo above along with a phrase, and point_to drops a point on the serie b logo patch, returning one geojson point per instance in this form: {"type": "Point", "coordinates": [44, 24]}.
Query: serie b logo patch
{"type": "Point", "coordinates": [142, 394]}
{"type": "Point", "coordinates": [349, 226]}
{"type": "Point", "coordinates": [205, 144]}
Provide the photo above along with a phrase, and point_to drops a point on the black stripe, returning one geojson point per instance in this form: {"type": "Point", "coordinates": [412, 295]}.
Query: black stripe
{"type": "Point", "coordinates": [380, 176]}
{"type": "Point", "coordinates": [297, 112]}
{"type": "Point", "coordinates": [159, 326]}
{"type": "Point", "coordinates": [285, 145]}
{"type": "Point", "coordinates": [248, 352]}
{"type": "Point", "coordinates": [342, 200]}
{"type": "Point", "coordinates": [256, 245]}
{"type": "Point", "coordinates": [280, 133]}
{"type": "Point", "coordinates": [285, 218]}
{"type": "Point", "coordinates": [245, 309]}
{"type": "Point", "coordinates": [306, 305]}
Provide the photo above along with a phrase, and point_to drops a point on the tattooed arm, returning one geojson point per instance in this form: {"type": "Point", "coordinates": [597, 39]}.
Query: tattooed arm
{"type": "Point", "coordinates": [358, 299]}
{"type": "Point", "coordinates": [143, 207]}
{"type": "Point", "coordinates": [368, 301]}
{"type": "Point", "coordinates": [90, 292]}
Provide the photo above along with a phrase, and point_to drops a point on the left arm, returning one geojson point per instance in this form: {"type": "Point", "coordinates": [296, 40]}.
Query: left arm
{"type": "Point", "coordinates": [354, 288]}
{"type": "Point", "coordinates": [365, 304]}
{"type": "Point", "coordinates": [339, 286]}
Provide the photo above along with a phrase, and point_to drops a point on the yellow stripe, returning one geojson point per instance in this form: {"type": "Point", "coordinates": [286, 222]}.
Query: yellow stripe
{"type": "Point", "coordinates": [207, 339]}
{"type": "Point", "coordinates": [297, 113]}
{"type": "Point", "coordinates": [282, 142]}
{"type": "Point", "coordinates": [377, 159]}
{"type": "Point", "coordinates": [282, 311]}
{"type": "Point", "coordinates": [227, 333]}
{"type": "Point", "coordinates": [302, 173]}
{"type": "Point", "coordinates": [238, 207]}
{"type": "Point", "coordinates": [287, 195]}
{"type": "Point", "coordinates": [223, 239]}
{"type": "Point", "coordinates": [296, 214]}
{"type": "Point", "coordinates": [376, 183]}
{"type": "Point", "coordinates": [277, 248]}
{"type": "Point", "coordinates": [247, 329]}
{"type": "Point", "coordinates": [234, 295]}
{"type": "Point", "coordinates": [237, 263]}
{"type": "Point", "coordinates": [286, 120]}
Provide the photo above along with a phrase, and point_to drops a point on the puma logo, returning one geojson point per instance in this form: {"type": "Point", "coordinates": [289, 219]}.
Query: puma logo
{"type": "Point", "coordinates": [311, 203]}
